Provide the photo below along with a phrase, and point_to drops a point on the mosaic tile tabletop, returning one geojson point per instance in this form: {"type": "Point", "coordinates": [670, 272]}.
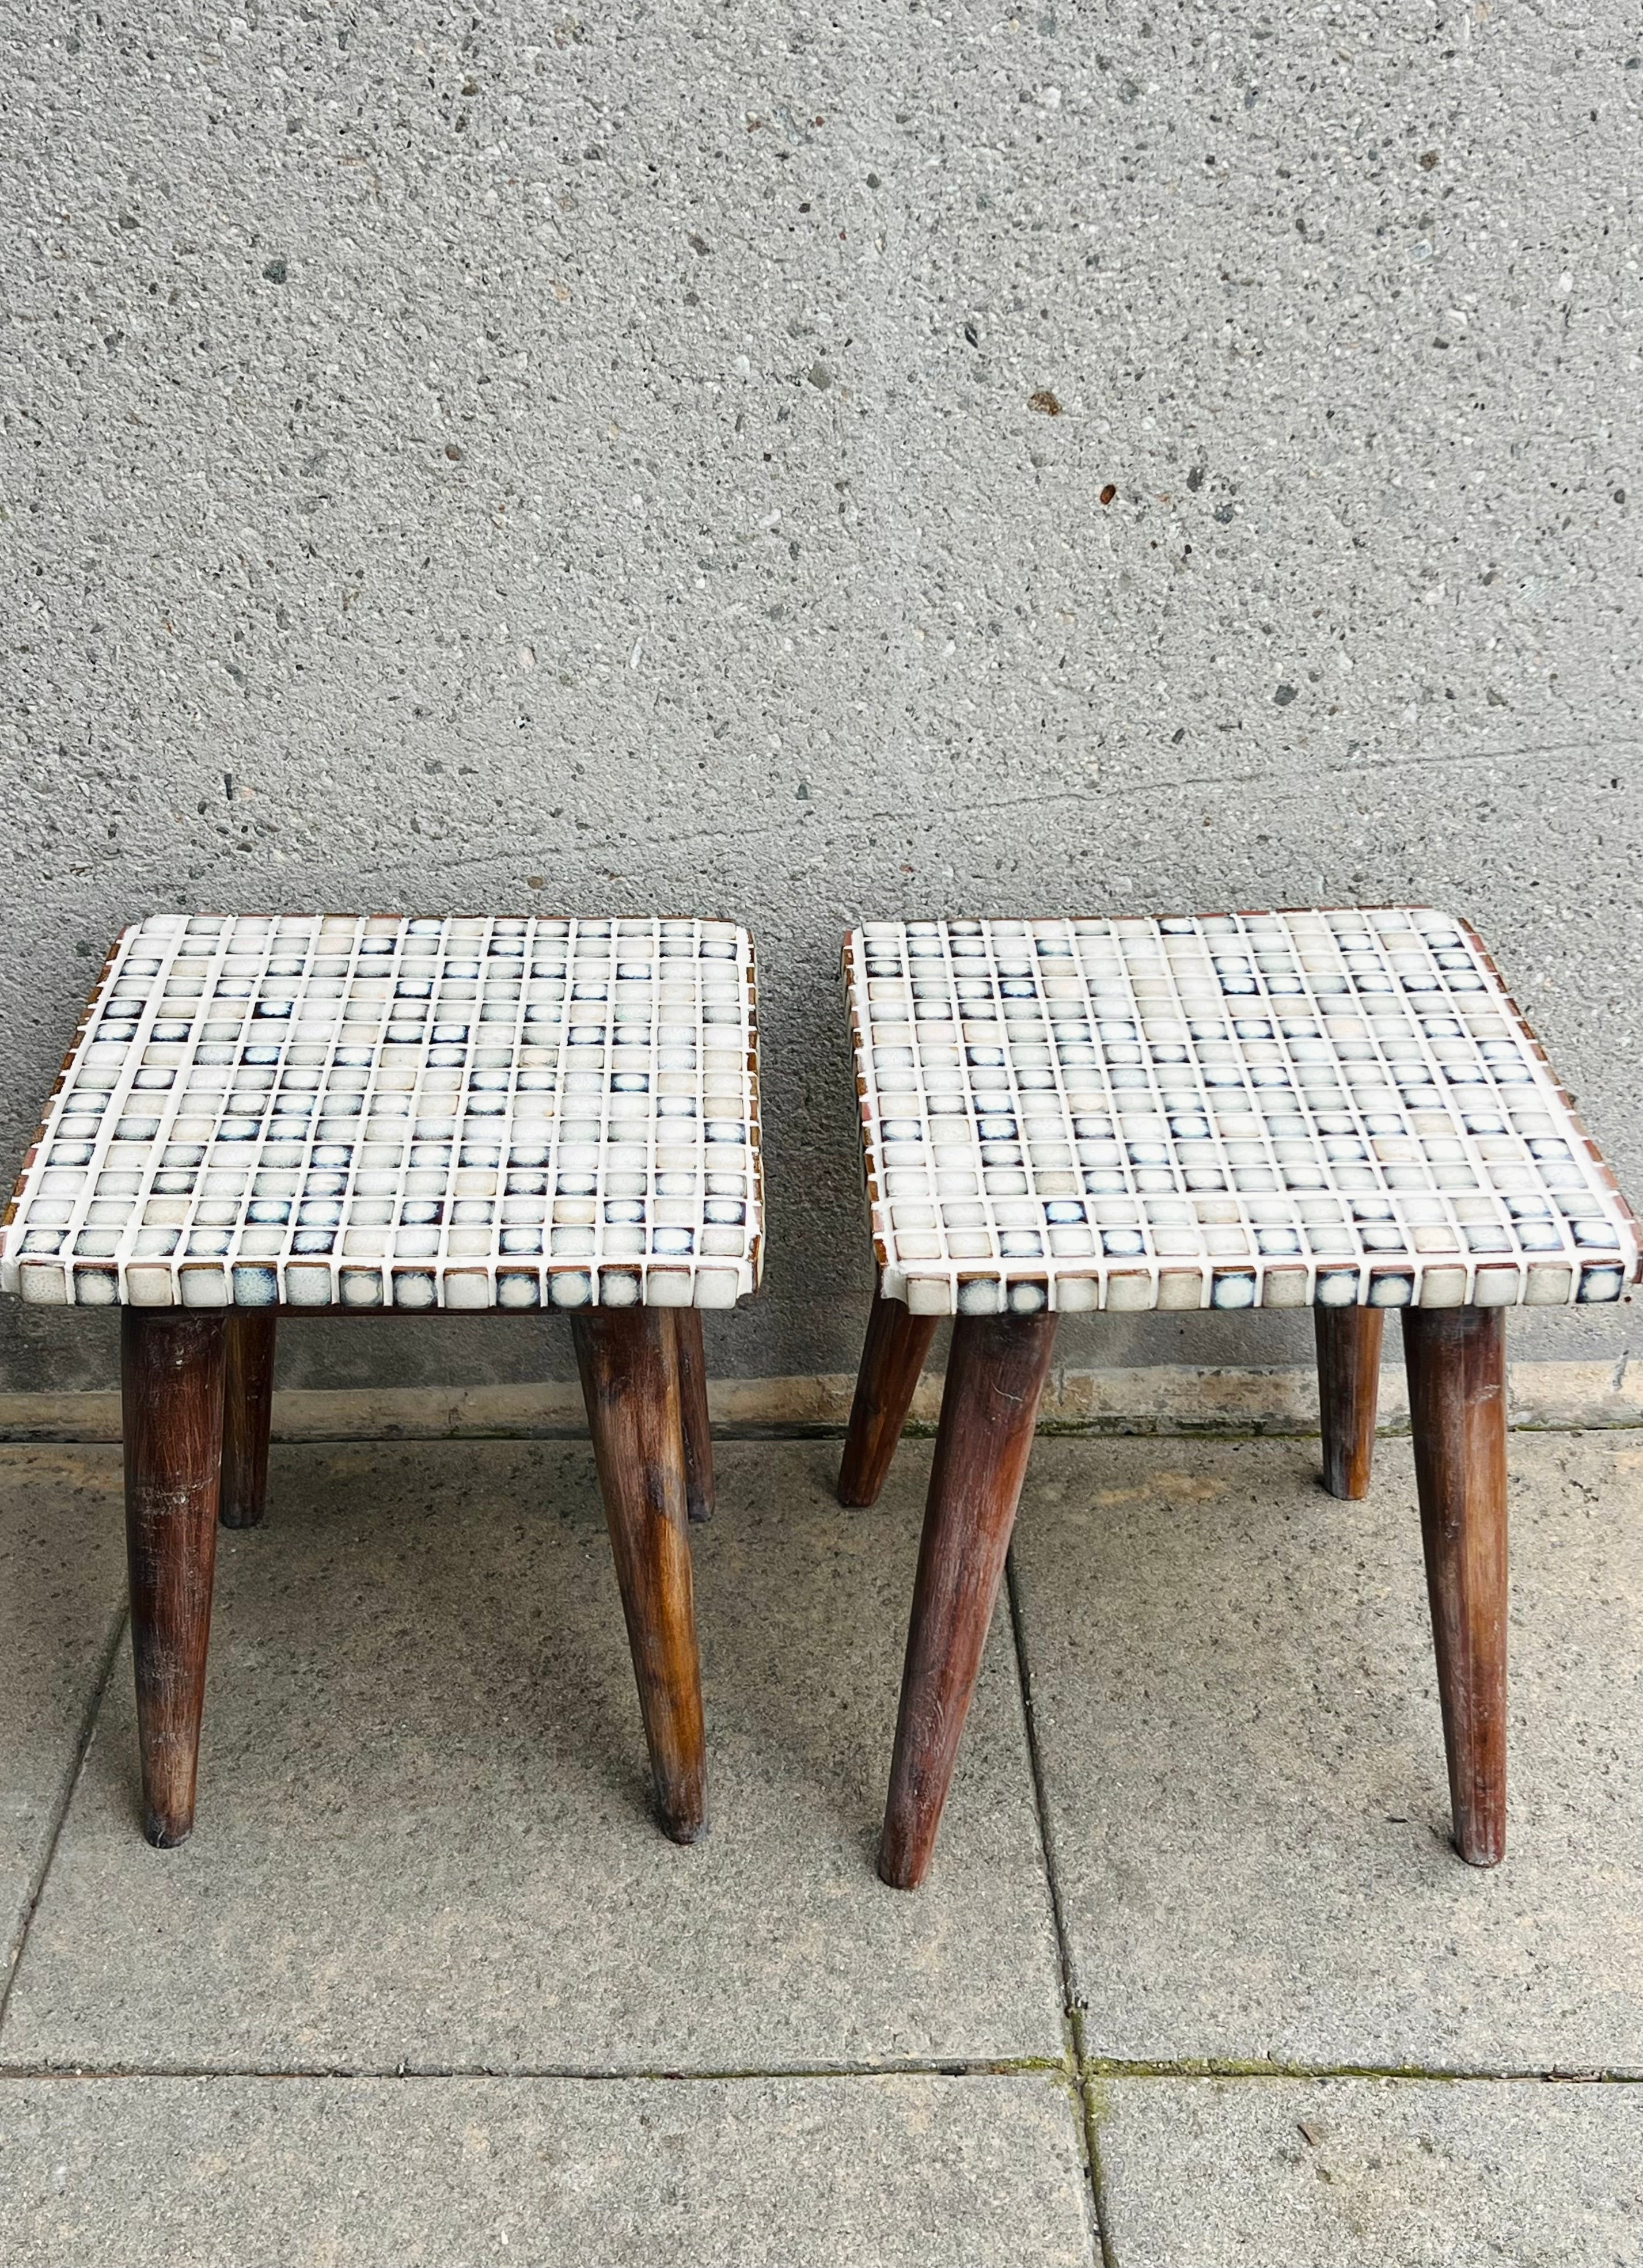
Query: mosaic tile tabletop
{"type": "Point", "coordinates": [365, 1112]}
{"type": "Point", "coordinates": [1235, 1111]}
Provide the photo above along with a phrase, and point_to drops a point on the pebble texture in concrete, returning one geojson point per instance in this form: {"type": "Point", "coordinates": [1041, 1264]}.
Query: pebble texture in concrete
{"type": "Point", "coordinates": [63, 1581]}
{"type": "Point", "coordinates": [811, 469]}
{"type": "Point", "coordinates": [1207, 2173]}
{"type": "Point", "coordinates": [909, 2172]}
{"type": "Point", "coordinates": [1237, 1713]}
{"type": "Point", "coordinates": [424, 1833]}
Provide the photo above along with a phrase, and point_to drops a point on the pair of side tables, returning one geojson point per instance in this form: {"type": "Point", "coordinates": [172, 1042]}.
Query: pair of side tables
{"type": "Point", "coordinates": [1338, 1109]}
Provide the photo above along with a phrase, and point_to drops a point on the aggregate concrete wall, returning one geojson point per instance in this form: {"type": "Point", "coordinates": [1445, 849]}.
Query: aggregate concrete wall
{"type": "Point", "coordinates": [808, 463]}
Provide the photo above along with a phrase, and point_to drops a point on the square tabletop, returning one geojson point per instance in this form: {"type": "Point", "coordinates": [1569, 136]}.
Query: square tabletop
{"type": "Point", "coordinates": [369, 1111]}
{"type": "Point", "coordinates": [1338, 1107]}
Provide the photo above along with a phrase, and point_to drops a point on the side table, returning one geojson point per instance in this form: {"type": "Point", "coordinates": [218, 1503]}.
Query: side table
{"type": "Point", "coordinates": [1339, 1109]}
{"type": "Point", "coordinates": [294, 1114]}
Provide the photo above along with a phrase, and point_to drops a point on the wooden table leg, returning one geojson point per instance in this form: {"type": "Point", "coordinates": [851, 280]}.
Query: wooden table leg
{"type": "Point", "coordinates": [996, 1374]}
{"type": "Point", "coordinates": [630, 1365]}
{"type": "Point", "coordinates": [1348, 1387]}
{"type": "Point", "coordinates": [172, 1364]}
{"type": "Point", "coordinates": [698, 1433]}
{"type": "Point", "coordinates": [891, 1362]}
{"type": "Point", "coordinates": [248, 1409]}
{"type": "Point", "coordinates": [1456, 1363]}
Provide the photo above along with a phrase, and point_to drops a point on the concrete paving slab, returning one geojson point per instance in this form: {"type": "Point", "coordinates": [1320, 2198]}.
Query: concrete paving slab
{"type": "Point", "coordinates": [423, 1835]}
{"type": "Point", "coordinates": [1237, 1716]}
{"type": "Point", "coordinates": [61, 1594]}
{"type": "Point", "coordinates": [144, 2173]}
{"type": "Point", "coordinates": [1258, 2173]}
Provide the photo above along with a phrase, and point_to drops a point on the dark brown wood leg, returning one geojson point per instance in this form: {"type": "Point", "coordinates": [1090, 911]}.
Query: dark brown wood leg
{"type": "Point", "coordinates": [1349, 1385]}
{"type": "Point", "coordinates": [630, 1365]}
{"type": "Point", "coordinates": [698, 1433]}
{"type": "Point", "coordinates": [1456, 1362]}
{"type": "Point", "coordinates": [995, 1375]}
{"type": "Point", "coordinates": [172, 1364]}
{"type": "Point", "coordinates": [891, 1362]}
{"type": "Point", "coordinates": [248, 1408]}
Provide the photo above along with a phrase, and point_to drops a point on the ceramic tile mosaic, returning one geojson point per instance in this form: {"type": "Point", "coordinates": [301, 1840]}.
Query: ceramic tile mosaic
{"type": "Point", "coordinates": [365, 1112]}
{"type": "Point", "coordinates": [1235, 1111]}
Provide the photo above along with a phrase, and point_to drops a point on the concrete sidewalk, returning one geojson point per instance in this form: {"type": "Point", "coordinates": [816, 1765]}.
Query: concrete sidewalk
{"type": "Point", "coordinates": [1196, 1979]}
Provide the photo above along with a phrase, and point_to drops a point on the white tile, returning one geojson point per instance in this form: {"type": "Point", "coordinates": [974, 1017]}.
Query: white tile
{"type": "Point", "coordinates": [471, 1112]}
{"type": "Point", "coordinates": [1340, 1107]}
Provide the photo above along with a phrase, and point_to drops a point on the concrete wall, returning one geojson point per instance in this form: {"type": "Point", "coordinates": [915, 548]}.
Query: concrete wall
{"type": "Point", "coordinates": [497, 456]}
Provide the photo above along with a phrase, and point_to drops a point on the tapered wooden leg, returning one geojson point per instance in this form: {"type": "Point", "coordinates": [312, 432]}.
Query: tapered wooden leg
{"type": "Point", "coordinates": [995, 1375]}
{"type": "Point", "coordinates": [1456, 1363]}
{"type": "Point", "coordinates": [630, 1365]}
{"type": "Point", "coordinates": [698, 1435]}
{"type": "Point", "coordinates": [247, 1408]}
{"type": "Point", "coordinates": [172, 1364]}
{"type": "Point", "coordinates": [891, 1362]}
{"type": "Point", "coordinates": [1348, 1387]}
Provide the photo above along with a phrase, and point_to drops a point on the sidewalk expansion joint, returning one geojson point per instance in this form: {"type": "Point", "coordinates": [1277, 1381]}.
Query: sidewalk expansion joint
{"type": "Point", "coordinates": [17, 1435]}
{"type": "Point", "coordinates": [911, 2067]}
{"type": "Point", "coordinates": [1107, 2067]}
{"type": "Point", "coordinates": [1071, 2021]}
{"type": "Point", "coordinates": [72, 1780]}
